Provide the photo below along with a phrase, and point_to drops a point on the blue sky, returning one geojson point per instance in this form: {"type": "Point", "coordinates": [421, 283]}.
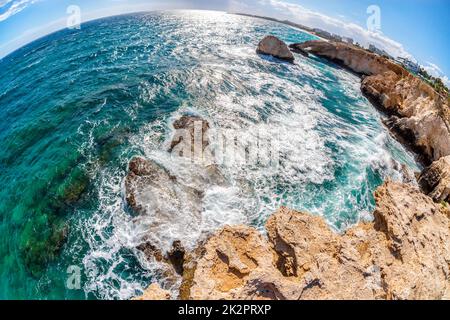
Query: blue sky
{"type": "Point", "coordinates": [417, 28]}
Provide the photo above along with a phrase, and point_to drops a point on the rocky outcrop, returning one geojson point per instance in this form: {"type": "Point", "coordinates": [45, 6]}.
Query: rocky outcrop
{"type": "Point", "coordinates": [154, 292]}
{"type": "Point", "coordinates": [418, 113]}
{"type": "Point", "coordinates": [295, 48]}
{"type": "Point", "coordinates": [403, 254]}
{"type": "Point", "coordinates": [158, 198]}
{"type": "Point", "coordinates": [435, 180]}
{"type": "Point", "coordinates": [273, 46]}
{"type": "Point", "coordinates": [151, 189]}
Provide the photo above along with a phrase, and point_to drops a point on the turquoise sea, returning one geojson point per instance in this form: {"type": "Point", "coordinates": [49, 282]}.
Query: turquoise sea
{"type": "Point", "coordinates": [78, 104]}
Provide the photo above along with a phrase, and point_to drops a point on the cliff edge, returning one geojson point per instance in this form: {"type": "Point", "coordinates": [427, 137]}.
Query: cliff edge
{"type": "Point", "coordinates": [417, 112]}
{"type": "Point", "coordinates": [403, 254]}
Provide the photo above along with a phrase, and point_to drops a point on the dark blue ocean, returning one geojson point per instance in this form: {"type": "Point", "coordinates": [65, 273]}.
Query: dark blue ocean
{"type": "Point", "coordinates": [77, 105]}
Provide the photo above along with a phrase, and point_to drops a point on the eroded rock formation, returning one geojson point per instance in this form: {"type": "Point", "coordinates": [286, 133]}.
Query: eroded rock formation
{"type": "Point", "coordinates": [418, 113]}
{"type": "Point", "coordinates": [403, 254]}
{"type": "Point", "coordinates": [150, 189]}
{"type": "Point", "coordinates": [273, 46]}
{"type": "Point", "coordinates": [191, 136]}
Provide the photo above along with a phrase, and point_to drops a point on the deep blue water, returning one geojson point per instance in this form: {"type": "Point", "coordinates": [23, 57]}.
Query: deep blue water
{"type": "Point", "coordinates": [78, 104]}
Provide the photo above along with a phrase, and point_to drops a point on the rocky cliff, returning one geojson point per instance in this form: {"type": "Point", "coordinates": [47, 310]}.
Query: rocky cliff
{"type": "Point", "coordinates": [417, 112]}
{"type": "Point", "coordinates": [403, 254]}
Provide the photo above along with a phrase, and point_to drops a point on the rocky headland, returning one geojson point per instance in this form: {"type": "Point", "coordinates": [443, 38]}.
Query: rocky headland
{"type": "Point", "coordinates": [417, 113]}
{"type": "Point", "coordinates": [273, 46]}
{"type": "Point", "coordinates": [403, 254]}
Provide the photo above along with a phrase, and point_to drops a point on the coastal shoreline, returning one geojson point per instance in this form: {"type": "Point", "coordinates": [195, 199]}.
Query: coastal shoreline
{"type": "Point", "coordinates": [286, 22]}
{"type": "Point", "coordinates": [403, 254]}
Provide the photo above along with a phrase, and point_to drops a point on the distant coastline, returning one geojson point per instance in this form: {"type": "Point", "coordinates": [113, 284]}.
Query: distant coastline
{"type": "Point", "coordinates": [286, 22]}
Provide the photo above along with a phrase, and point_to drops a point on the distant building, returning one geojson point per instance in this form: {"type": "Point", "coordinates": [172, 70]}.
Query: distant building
{"type": "Point", "coordinates": [348, 40]}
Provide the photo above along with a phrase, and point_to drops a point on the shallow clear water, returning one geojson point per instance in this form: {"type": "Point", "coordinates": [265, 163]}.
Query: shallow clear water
{"type": "Point", "coordinates": [78, 104]}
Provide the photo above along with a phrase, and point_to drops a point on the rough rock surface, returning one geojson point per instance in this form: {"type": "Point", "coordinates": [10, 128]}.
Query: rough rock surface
{"type": "Point", "coordinates": [191, 136]}
{"type": "Point", "coordinates": [420, 115]}
{"type": "Point", "coordinates": [295, 48]}
{"type": "Point", "coordinates": [435, 180]}
{"type": "Point", "coordinates": [150, 188]}
{"type": "Point", "coordinates": [273, 46]}
{"type": "Point", "coordinates": [403, 254]}
{"type": "Point", "coordinates": [159, 199]}
{"type": "Point", "coordinates": [154, 292]}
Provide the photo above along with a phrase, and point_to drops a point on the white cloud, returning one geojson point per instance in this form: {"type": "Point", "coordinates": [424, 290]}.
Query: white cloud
{"type": "Point", "coordinates": [14, 8]}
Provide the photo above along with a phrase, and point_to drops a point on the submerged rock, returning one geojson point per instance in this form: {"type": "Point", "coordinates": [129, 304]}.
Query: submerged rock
{"type": "Point", "coordinates": [422, 116]}
{"type": "Point", "coordinates": [403, 254]}
{"type": "Point", "coordinates": [273, 46]}
{"type": "Point", "coordinates": [162, 204]}
{"type": "Point", "coordinates": [297, 49]}
{"type": "Point", "coordinates": [435, 180]}
{"type": "Point", "coordinates": [167, 205]}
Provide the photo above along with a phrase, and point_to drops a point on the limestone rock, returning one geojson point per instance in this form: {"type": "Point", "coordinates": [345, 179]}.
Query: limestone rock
{"type": "Point", "coordinates": [273, 46]}
{"type": "Point", "coordinates": [221, 267]}
{"type": "Point", "coordinates": [151, 251]}
{"type": "Point", "coordinates": [159, 199]}
{"type": "Point", "coordinates": [176, 256]}
{"type": "Point", "coordinates": [154, 292]}
{"type": "Point", "coordinates": [417, 234]}
{"type": "Point", "coordinates": [419, 109]}
{"type": "Point", "coordinates": [352, 57]}
{"type": "Point", "coordinates": [435, 180]}
{"type": "Point", "coordinates": [295, 48]}
{"type": "Point", "coordinates": [403, 254]}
